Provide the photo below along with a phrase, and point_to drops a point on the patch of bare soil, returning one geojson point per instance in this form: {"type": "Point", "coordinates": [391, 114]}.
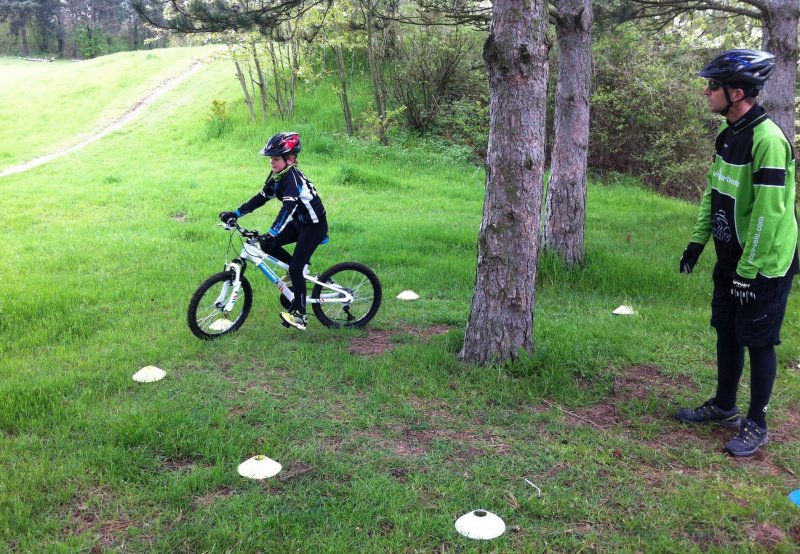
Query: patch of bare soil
{"type": "Point", "coordinates": [410, 442]}
{"type": "Point", "coordinates": [379, 341]}
{"type": "Point", "coordinates": [766, 535]}
{"type": "Point", "coordinates": [643, 381]}
{"type": "Point", "coordinates": [784, 425]}
{"type": "Point", "coordinates": [297, 469]}
{"type": "Point", "coordinates": [85, 517]}
{"type": "Point", "coordinates": [211, 497]}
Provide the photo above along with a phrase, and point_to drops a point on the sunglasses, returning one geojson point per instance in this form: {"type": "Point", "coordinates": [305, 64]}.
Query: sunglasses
{"type": "Point", "coordinates": [713, 85]}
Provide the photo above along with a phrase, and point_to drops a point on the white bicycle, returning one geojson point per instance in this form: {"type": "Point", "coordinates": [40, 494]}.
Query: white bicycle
{"type": "Point", "coordinates": [345, 295]}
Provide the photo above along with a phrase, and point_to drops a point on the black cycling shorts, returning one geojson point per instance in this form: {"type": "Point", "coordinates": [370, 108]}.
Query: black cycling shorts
{"type": "Point", "coordinates": [758, 323]}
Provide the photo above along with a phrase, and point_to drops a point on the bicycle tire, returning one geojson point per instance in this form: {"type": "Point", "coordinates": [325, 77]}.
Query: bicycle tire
{"type": "Point", "coordinates": [358, 280]}
{"type": "Point", "coordinates": [206, 319]}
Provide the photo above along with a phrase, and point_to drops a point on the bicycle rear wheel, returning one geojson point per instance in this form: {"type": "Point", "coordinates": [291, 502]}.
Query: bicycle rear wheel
{"type": "Point", "coordinates": [206, 317]}
{"type": "Point", "coordinates": [358, 280]}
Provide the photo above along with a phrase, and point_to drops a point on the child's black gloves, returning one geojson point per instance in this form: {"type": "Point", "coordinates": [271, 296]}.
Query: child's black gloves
{"type": "Point", "coordinates": [227, 217]}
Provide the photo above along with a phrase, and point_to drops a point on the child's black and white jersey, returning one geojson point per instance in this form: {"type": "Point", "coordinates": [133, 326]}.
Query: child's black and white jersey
{"type": "Point", "coordinates": [300, 199]}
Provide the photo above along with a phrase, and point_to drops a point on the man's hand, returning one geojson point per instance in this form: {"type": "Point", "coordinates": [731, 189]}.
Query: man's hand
{"type": "Point", "coordinates": [690, 257]}
{"type": "Point", "coordinates": [743, 290]}
{"type": "Point", "coordinates": [228, 217]}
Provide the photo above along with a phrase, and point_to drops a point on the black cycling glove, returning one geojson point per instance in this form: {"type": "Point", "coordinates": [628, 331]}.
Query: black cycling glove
{"type": "Point", "coordinates": [227, 217]}
{"type": "Point", "coordinates": [690, 257]}
{"type": "Point", "coordinates": [743, 290]}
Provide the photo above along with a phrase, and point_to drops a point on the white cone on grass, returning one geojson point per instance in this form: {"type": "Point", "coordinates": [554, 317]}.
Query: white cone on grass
{"type": "Point", "coordinates": [624, 310]}
{"type": "Point", "coordinates": [480, 524]}
{"type": "Point", "coordinates": [259, 467]}
{"type": "Point", "coordinates": [149, 374]}
{"type": "Point", "coordinates": [221, 325]}
{"type": "Point", "coordinates": [408, 295]}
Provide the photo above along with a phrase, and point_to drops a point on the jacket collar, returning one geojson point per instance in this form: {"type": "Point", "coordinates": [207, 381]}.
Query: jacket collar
{"type": "Point", "coordinates": [754, 115]}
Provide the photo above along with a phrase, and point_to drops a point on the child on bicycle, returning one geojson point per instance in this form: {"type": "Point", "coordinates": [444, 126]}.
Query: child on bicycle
{"type": "Point", "coordinates": [301, 219]}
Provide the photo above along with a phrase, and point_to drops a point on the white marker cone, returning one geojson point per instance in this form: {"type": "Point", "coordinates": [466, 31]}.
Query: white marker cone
{"type": "Point", "coordinates": [221, 325]}
{"type": "Point", "coordinates": [149, 374]}
{"type": "Point", "coordinates": [408, 295]}
{"type": "Point", "coordinates": [624, 310]}
{"type": "Point", "coordinates": [259, 467]}
{"type": "Point", "coordinates": [480, 524]}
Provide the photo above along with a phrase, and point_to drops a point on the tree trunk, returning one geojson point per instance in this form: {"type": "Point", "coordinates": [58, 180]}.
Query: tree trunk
{"type": "Point", "coordinates": [500, 324]}
{"type": "Point", "coordinates": [247, 99]}
{"type": "Point", "coordinates": [262, 82]}
{"type": "Point", "coordinates": [780, 20]}
{"type": "Point", "coordinates": [277, 79]}
{"type": "Point", "coordinates": [24, 33]}
{"type": "Point", "coordinates": [565, 208]}
{"type": "Point", "coordinates": [294, 68]}
{"type": "Point", "coordinates": [342, 72]}
{"type": "Point", "coordinates": [376, 75]}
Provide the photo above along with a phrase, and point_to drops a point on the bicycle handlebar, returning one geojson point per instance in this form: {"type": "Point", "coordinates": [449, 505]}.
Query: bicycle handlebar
{"type": "Point", "coordinates": [247, 233]}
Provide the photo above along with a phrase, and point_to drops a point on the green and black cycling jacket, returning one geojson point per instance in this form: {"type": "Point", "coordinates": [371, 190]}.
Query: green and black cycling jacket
{"type": "Point", "coordinates": [748, 206]}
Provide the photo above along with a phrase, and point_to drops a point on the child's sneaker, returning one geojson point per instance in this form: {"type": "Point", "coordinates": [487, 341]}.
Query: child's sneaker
{"type": "Point", "coordinates": [710, 413]}
{"type": "Point", "coordinates": [751, 437]}
{"type": "Point", "coordinates": [295, 319]}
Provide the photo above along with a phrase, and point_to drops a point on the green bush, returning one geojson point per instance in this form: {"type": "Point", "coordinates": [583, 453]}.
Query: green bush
{"type": "Point", "coordinates": [649, 116]}
{"type": "Point", "coordinates": [217, 119]}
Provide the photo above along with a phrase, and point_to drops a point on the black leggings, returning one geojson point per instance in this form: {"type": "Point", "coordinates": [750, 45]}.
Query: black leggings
{"type": "Point", "coordinates": [730, 363]}
{"type": "Point", "coordinates": [307, 237]}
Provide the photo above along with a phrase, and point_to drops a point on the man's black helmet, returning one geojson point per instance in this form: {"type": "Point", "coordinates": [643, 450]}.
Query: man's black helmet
{"type": "Point", "coordinates": [749, 69]}
{"type": "Point", "coordinates": [282, 144]}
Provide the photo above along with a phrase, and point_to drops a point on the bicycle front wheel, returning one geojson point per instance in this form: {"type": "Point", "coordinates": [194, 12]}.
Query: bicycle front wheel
{"type": "Point", "coordinates": [359, 281]}
{"type": "Point", "coordinates": [207, 317]}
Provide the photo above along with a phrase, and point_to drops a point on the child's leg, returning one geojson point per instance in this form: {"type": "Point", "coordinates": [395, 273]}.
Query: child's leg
{"type": "Point", "coordinates": [309, 237]}
{"type": "Point", "coordinates": [274, 247]}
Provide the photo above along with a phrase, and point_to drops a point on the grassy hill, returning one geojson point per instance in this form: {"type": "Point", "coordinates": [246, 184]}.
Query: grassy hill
{"type": "Point", "coordinates": [384, 436]}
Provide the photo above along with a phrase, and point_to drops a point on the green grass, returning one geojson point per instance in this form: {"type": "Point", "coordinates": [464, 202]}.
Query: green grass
{"type": "Point", "coordinates": [102, 249]}
{"type": "Point", "coordinates": [47, 106]}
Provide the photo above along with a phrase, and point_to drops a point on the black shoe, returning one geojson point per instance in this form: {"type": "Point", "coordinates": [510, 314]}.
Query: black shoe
{"type": "Point", "coordinates": [751, 437]}
{"type": "Point", "coordinates": [710, 413]}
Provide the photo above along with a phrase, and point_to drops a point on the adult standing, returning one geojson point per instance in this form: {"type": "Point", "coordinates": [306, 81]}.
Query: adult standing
{"type": "Point", "coordinates": [748, 209]}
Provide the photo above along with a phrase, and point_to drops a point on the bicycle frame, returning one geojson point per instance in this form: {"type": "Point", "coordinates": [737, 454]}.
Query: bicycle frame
{"type": "Point", "coordinates": [262, 261]}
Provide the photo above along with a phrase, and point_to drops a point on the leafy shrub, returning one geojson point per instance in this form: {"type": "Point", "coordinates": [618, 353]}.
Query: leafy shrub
{"type": "Point", "coordinates": [217, 120]}
{"type": "Point", "coordinates": [91, 41]}
{"type": "Point", "coordinates": [649, 117]}
{"type": "Point", "coordinates": [431, 69]}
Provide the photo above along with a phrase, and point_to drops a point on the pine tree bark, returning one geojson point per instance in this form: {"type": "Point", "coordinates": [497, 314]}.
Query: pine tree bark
{"type": "Point", "coordinates": [565, 206]}
{"type": "Point", "coordinates": [780, 21]}
{"type": "Point", "coordinates": [500, 324]}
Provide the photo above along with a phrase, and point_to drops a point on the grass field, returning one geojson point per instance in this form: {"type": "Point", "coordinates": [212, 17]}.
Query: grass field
{"type": "Point", "coordinates": [384, 436]}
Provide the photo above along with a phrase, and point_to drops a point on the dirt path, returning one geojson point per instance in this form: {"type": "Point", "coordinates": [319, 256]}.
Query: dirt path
{"type": "Point", "coordinates": [115, 125]}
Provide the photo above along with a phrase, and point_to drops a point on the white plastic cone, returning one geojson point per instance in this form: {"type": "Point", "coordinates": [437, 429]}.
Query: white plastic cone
{"type": "Point", "coordinates": [221, 325]}
{"type": "Point", "coordinates": [149, 374]}
{"type": "Point", "coordinates": [624, 310]}
{"type": "Point", "coordinates": [480, 524]}
{"type": "Point", "coordinates": [259, 467]}
{"type": "Point", "coordinates": [408, 295]}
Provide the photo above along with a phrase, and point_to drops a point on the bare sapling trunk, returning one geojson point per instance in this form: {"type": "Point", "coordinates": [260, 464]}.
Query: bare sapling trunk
{"type": "Point", "coordinates": [276, 77]}
{"type": "Point", "coordinates": [294, 68]}
{"type": "Point", "coordinates": [262, 81]}
{"type": "Point", "coordinates": [243, 82]}
{"type": "Point", "coordinates": [780, 20]}
{"type": "Point", "coordinates": [376, 75]}
{"type": "Point", "coordinates": [565, 207]}
{"type": "Point", "coordinates": [500, 324]}
{"type": "Point", "coordinates": [342, 73]}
